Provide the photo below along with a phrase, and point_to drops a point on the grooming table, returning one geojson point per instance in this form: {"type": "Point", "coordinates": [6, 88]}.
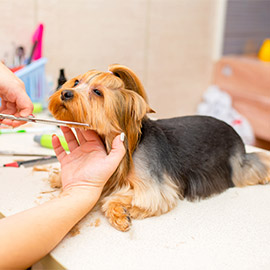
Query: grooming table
{"type": "Point", "coordinates": [227, 231]}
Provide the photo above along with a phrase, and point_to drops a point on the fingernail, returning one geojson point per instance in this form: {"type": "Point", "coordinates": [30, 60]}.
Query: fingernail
{"type": "Point", "coordinates": [122, 136]}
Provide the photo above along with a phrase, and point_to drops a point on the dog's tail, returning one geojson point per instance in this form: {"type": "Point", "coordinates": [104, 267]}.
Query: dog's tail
{"type": "Point", "coordinates": [250, 169]}
{"type": "Point", "coordinates": [130, 79]}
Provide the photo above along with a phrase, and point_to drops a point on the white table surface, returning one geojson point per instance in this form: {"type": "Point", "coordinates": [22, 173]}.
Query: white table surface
{"type": "Point", "coordinates": [227, 231]}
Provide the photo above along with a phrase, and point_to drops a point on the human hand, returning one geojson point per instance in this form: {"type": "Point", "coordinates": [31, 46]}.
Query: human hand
{"type": "Point", "coordinates": [14, 99]}
{"type": "Point", "coordinates": [88, 166]}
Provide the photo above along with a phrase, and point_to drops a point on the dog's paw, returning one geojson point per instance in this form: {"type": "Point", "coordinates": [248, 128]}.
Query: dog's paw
{"type": "Point", "coordinates": [119, 217]}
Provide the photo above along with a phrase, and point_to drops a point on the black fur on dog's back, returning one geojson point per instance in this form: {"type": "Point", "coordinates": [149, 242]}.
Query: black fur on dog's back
{"type": "Point", "coordinates": [194, 151]}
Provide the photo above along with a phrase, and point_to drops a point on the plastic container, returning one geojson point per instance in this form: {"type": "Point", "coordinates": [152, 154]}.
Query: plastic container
{"type": "Point", "coordinates": [34, 78]}
{"type": "Point", "coordinates": [264, 53]}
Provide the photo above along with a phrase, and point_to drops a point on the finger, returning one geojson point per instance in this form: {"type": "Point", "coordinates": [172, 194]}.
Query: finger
{"type": "Point", "coordinates": [3, 105]}
{"type": "Point", "coordinates": [89, 134]}
{"type": "Point", "coordinates": [22, 101]}
{"type": "Point", "coordinates": [58, 148]}
{"type": "Point", "coordinates": [117, 153]}
{"type": "Point", "coordinates": [10, 108]}
{"type": "Point", "coordinates": [25, 106]}
{"type": "Point", "coordinates": [70, 138]}
{"type": "Point", "coordinates": [92, 137]}
{"type": "Point", "coordinates": [13, 123]}
{"type": "Point", "coordinates": [7, 122]}
{"type": "Point", "coordinates": [80, 136]}
{"type": "Point", "coordinates": [17, 123]}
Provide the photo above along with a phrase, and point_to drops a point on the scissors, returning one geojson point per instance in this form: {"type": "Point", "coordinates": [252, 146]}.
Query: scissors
{"type": "Point", "coordinates": [42, 121]}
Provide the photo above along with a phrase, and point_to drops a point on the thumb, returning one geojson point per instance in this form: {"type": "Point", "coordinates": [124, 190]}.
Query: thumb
{"type": "Point", "coordinates": [24, 105]}
{"type": "Point", "coordinates": [118, 151]}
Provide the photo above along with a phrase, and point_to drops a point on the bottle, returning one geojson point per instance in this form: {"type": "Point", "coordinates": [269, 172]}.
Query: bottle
{"type": "Point", "coordinates": [45, 140]}
{"type": "Point", "coordinates": [62, 79]}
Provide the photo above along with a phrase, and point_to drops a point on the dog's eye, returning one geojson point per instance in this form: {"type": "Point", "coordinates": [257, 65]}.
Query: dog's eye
{"type": "Point", "coordinates": [76, 83]}
{"type": "Point", "coordinates": [97, 92]}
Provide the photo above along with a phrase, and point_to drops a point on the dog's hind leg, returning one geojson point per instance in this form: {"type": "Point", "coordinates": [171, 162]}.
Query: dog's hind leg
{"type": "Point", "coordinates": [152, 196]}
{"type": "Point", "coordinates": [250, 169]}
{"type": "Point", "coordinates": [142, 197]}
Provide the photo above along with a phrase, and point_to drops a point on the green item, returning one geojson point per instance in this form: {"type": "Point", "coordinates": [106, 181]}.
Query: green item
{"type": "Point", "coordinates": [11, 131]}
{"type": "Point", "coordinates": [45, 140]}
{"type": "Point", "coordinates": [37, 107]}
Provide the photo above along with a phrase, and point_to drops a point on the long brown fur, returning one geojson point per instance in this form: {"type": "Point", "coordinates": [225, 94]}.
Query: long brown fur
{"type": "Point", "coordinates": [122, 105]}
{"type": "Point", "coordinates": [85, 107]}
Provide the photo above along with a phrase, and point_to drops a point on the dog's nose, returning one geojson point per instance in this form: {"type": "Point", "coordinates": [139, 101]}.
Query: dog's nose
{"type": "Point", "coordinates": [67, 95]}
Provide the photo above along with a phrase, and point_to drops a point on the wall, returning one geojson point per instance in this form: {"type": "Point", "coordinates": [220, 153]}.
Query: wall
{"type": "Point", "coordinates": [247, 25]}
{"type": "Point", "coordinates": [168, 43]}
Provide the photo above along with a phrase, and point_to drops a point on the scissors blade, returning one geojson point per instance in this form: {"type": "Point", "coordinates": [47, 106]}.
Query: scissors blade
{"type": "Point", "coordinates": [43, 121]}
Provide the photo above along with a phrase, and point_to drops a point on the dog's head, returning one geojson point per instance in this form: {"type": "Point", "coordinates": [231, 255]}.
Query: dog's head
{"type": "Point", "coordinates": [111, 102]}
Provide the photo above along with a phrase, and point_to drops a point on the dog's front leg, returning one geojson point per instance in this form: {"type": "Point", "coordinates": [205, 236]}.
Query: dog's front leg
{"type": "Point", "coordinates": [116, 208]}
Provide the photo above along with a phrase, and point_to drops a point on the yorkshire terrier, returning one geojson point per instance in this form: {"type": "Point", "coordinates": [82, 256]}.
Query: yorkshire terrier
{"type": "Point", "coordinates": [189, 157]}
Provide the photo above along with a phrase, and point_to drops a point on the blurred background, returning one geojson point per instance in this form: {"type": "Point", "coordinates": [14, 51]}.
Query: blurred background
{"type": "Point", "coordinates": [193, 56]}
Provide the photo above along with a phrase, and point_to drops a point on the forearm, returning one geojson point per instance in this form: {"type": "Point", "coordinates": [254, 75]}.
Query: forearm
{"type": "Point", "coordinates": [35, 232]}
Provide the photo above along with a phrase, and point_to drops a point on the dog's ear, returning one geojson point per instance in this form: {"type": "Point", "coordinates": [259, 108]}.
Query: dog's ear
{"type": "Point", "coordinates": [129, 78]}
{"type": "Point", "coordinates": [138, 107]}
{"type": "Point", "coordinates": [133, 112]}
